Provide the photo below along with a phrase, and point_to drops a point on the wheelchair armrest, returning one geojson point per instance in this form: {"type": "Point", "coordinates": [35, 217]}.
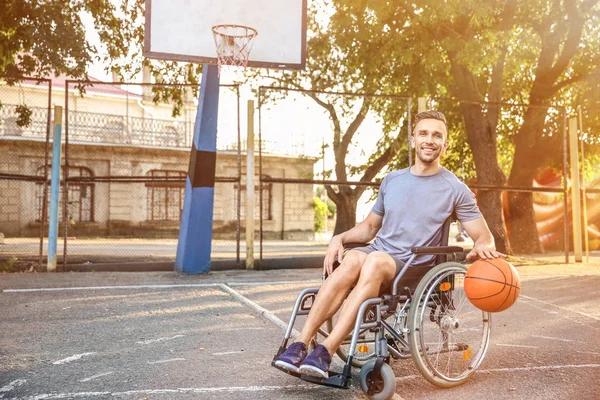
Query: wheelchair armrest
{"type": "Point", "coordinates": [437, 249]}
{"type": "Point", "coordinates": [349, 246]}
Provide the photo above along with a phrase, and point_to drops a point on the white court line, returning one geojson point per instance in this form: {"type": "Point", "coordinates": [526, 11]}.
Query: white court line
{"type": "Point", "coordinates": [186, 285]}
{"type": "Point", "coordinates": [163, 339]}
{"type": "Point", "coordinates": [250, 328]}
{"type": "Point", "coordinates": [228, 352]}
{"type": "Point", "coordinates": [269, 316]}
{"type": "Point", "coordinates": [166, 361]}
{"type": "Point", "coordinates": [318, 282]}
{"type": "Point", "coordinates": [238, 389]}
{"type": "Point", "coordinates": [72, 358]}
{"type": "Point", "coordinates": [562, 308]}
{"type": "Point", "coordinates": [588, 352]}
{"type": "Point", "coordinates": [173, 286]}
{"type": "Point", "coordinates": [260, 310]}
{"type": "Point", "coordinates": [11, 386]}
{"type": "Point", "coordinates": [516, 345]}
{"type": "Point", "coordinates": [89, 378]}
{"type": "Point", "coordinates": [556, 338]}
{"type": "Point", "coordinates": [516, 369]}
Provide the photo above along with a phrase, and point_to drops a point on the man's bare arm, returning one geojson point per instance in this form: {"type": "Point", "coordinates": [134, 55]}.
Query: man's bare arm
{"type": "Point", "coordinates": [361, 233]}
{"type": "Point", "coordinates": [484, 246]}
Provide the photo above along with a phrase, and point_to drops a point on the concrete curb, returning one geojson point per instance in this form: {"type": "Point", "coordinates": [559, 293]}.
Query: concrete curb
{"type": "Point", "coordinates": [216, 265]}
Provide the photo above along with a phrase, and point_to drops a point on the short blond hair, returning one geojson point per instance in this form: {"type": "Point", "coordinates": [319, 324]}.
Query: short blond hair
{"type": "Point", "coordinates": [430, 114]}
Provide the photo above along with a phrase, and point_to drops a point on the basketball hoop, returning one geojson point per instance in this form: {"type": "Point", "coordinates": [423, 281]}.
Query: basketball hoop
{"type": "Point", "coordinates": [233, 43]}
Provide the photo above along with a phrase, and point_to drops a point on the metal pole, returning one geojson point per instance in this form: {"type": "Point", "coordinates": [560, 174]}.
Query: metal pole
{"type": "Point", "coordinates": [239, 182]}
{"type": "Point", "coordinates": [583, 189]}
{"type": "Point", "coordinates": [250, 188]}
{"type": "Point", "coordinates": [565, 189]}
{"type": "Point", "coordinates": [45, 187]}
{"type": "Point", "coordinates": [54, 191]}
{"type": "Point", "coordinates": [575, 190]}
{"type": "Point", "coordinates": [260, 171]}
{"type": "Point", "coordinates": [66, 179]}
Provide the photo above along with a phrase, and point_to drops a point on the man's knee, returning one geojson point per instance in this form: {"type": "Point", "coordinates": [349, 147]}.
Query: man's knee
{"type": "Point", "coordinates": [379, 266]}
{"type": "Point", "coordinates": [352, 262]}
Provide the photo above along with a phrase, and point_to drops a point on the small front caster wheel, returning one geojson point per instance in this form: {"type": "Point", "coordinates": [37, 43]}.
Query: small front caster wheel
{"type": "Point", "coordinates": [382, 387]}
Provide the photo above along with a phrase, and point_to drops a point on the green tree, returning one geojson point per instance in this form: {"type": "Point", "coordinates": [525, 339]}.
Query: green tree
{"type": "Point", "coordinates": [525, 51]}
{"type": "Point", "coordinates": [48, 38]}
{"type": "Point", "coordinates": [320, 218]}
{"type": "Point", "coordinates": [340, 59]}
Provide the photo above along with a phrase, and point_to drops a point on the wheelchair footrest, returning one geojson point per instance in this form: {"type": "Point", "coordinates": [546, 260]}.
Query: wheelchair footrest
{"type": "Point", "coordinates": [336, 380]}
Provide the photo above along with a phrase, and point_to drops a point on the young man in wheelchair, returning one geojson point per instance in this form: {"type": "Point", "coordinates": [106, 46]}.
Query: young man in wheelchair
{"type": "Point", "coordinates": [410, 209]}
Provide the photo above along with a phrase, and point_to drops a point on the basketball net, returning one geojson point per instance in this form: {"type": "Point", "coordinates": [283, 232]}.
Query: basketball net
{"type": "Point", "coordinates": [233, 44]}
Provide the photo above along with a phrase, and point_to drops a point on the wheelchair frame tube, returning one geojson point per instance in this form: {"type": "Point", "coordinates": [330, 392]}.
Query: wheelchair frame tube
{"type": "Point", "coordinates": [296, 311]}
{"type": "Point", "coordinates": [402, 272]}
{"type": "Point", "coordinates": [358, 324]}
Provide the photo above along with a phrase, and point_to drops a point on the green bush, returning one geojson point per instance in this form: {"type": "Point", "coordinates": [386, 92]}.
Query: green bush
{"type": "Point", "coordinates": [320, 218]}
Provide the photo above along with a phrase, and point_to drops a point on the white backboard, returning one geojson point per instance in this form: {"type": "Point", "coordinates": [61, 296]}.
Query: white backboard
{"type": "Point", "coordinates": [181, 30]}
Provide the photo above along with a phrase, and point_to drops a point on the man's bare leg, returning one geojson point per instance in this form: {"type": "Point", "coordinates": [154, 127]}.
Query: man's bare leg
{"type": "Point", "coordinates": [377, 269]}
{"type": "Point", "coordinates": [332, 294]}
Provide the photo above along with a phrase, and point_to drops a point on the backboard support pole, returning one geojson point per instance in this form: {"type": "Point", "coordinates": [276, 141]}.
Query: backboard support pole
{"type": "Point", "coordinates": [195, 232]}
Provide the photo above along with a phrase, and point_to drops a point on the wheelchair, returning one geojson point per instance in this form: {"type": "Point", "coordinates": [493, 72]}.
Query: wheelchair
{"type": "Point", "coordinates": [427, 317]}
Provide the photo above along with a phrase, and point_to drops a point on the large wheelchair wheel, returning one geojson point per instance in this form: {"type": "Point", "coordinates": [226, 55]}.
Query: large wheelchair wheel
{"type": "Point", "coordinates": [448, 336]}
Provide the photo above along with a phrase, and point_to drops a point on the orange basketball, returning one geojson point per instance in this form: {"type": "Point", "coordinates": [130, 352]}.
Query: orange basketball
{"type": "Point", "coordinates": [492, 285]}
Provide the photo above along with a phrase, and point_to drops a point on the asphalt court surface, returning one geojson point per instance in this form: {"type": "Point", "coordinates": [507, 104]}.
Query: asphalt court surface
{"type": "Point", "coordinates": [167, 336]}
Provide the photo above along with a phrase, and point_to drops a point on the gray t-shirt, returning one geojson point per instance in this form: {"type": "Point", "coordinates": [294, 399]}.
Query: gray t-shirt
{"type": "Point", "coordinates": [414, 208]}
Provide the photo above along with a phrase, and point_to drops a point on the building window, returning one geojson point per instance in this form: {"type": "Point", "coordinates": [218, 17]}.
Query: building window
{"type": "Point", "coordinates": [80, 197]}
{"type": "Point", "coordinates": [267, 200]}
{"type": "Point", "coordinates": [164, 199]}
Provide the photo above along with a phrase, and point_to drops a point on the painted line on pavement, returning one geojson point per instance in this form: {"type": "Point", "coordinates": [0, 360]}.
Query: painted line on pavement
{"type": "Point", "coordinates": [173, 286]}
{"type": "Point", "coordinates": [516, 369]}
{"type": "Point", "coordinates": [318, 282]}
{"type": "Point", "coordinates": [72, 358]}
{"type": "Point", "coordinates": [228, 352]}
{"type": "Point", "coordinates": [250, 328]}
{"type": "Point", "coordinates": [10, 386]}
{"type": "Point", "coordinates": [238, 389]}
{"type": "Point", "coordinates": [516, 345]}
{"type": "Point", "coordinates": [556, 338]}
{"type": "Point", "coordinates": [186, 285]}
{"type": "Point", "coordinates": [166, 361]}
{"type": "Point", "coordinates": [89, 378]}
{"type": "Point", "coordinates": [562, 308]}
{"type": "Point", "coordinates": [163, 339]}
{"type": "Point", "coordinates": [260, 310]}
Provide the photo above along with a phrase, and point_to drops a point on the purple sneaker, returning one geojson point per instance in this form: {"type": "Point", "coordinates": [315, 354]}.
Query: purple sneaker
{"type": "Point", "coordinates": [317, 363]}
{"type": "Point", "coordinates": [291, 358]}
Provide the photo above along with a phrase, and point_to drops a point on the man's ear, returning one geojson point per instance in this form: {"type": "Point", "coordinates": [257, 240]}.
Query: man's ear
{"type": "Point", "coordinates": [412, 141]}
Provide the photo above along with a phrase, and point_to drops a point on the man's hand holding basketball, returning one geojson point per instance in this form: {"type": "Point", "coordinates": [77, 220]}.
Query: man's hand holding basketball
{"type": "Point", "coordinates": [484, 251]}
{"type": "Point", "coordinates": [335, 251]}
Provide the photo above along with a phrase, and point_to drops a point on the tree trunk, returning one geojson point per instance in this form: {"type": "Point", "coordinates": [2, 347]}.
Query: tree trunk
{"type": "Point", "coordinates": [531, 149]}
{"type": "Point", "coordinates": [482, 140]}
{"type": "Point", "coordinates": [345, 203]}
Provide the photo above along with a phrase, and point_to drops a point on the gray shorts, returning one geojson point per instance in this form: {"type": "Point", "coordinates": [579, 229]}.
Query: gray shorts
{"type": "Point", "coordinates": [370, 248]}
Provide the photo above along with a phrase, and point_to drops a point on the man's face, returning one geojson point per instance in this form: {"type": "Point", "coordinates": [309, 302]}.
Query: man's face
{"type": "Point", "coordinates": [429, 140]}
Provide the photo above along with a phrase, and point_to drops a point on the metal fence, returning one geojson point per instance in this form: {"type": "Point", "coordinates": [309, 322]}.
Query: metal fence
{"type": "Point", "coordinates": [317, 127]}
{"type": "Point", "coordinates": [589, 140]}
{"type": "Point", "coordinates": [516, 164]}
{"type": "Point", "coordinates": [125, 160]}
{"type": "Point", "coordinates": [25, 115]}
{"type": "Point", "coordinates": [124, 166]}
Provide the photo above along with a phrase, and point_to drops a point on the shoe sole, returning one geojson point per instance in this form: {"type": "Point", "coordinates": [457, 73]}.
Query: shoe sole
{"type": "Point", "coordinates": [287, 366]}
{"type": "Point", "coordinates": [313, 371]}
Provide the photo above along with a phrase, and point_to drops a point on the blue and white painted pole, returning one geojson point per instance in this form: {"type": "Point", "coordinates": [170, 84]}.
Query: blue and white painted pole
{"type": "Point", "coordinates": [54, 190]}
{"type": "Point", "coordinates": [195, 230]}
